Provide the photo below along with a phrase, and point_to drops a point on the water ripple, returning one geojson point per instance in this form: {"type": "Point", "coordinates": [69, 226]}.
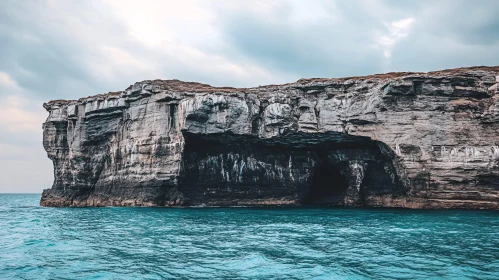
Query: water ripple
{"type": "Point", "coordinates": [244, 243]}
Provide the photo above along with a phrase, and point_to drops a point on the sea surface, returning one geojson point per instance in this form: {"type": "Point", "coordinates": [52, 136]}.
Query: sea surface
{"type": "Point", "coordinates": [244, 243]}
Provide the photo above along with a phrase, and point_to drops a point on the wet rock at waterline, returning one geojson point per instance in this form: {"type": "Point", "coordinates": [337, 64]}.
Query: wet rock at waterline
{"type": "Point", "coordinates": [415, 140]}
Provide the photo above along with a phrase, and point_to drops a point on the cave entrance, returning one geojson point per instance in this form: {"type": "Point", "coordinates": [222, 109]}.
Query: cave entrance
{"type": "Point", "coordinates": [334, 170]}
{"type": "Point", "coordinates": [328, 185]}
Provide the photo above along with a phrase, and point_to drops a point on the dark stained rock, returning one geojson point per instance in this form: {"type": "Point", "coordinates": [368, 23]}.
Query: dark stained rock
{"type": "Point", "coordinates": [414, 140]}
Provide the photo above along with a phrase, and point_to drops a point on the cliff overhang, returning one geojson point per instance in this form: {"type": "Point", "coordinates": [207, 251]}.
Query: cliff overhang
{"type": "Point", "coordinates": [415, 140]}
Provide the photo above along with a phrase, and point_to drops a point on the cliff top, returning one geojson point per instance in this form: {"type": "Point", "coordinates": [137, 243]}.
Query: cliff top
{"type": "Point", "coordinates": [178, 85]}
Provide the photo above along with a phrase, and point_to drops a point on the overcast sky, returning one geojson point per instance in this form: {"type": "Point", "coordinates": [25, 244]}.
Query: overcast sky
{"type": "Point", "coordinates": [52, 49]}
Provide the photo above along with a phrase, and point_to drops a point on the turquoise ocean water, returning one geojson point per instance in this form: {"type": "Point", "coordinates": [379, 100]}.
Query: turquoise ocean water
{"type": "Point", "coordinates": [244, 243]}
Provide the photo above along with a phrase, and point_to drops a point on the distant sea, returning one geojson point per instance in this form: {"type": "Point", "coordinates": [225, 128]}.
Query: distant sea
{"type": "Point", "coordinates": [244, 243]}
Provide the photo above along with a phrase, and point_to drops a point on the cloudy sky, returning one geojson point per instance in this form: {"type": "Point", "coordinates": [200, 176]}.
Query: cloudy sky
{"type": "Point", "coordinates": [63, 49]}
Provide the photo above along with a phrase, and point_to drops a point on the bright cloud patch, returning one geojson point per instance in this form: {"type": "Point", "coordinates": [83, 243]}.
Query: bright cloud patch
{"type": "Point", "coordinates": [396, 31]}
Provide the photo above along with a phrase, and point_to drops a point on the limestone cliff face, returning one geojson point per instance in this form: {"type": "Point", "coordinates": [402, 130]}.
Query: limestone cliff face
{"type": "Point", "coordinates": [416, 140]}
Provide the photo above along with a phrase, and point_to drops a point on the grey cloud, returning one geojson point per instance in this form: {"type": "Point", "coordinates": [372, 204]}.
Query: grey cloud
{"type": "Point", "coordinates": [449, 34]}
{"type": "Point", "coordinates": [32, 55]}
{"type": "Point", "coordinates": [47, 56]}
{"type": "Point", "coordinates": [323, 48]}
{"type": "Point", "coordinates": [468, 22]}
{"type": "Point", "coordinates": [426, 53]}
{"type": "Point", "coordinates": [437, 38]}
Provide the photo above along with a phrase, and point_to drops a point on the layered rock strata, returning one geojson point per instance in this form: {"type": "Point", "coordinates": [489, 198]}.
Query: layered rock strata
{"type": "Point", "coordinates": [414, 140]}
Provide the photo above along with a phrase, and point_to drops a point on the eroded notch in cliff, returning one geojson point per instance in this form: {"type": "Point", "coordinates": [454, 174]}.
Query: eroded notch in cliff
{"type": "Point", "coordinates": [173, 110]}
{"type": "Point", "coordinates": [326, 169]}
{"type": "Point", "coordinates": [417, 87]}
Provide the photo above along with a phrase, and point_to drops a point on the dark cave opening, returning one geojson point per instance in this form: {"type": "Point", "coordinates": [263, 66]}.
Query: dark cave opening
{"type": "Point", "coordinates": [328, 185]}
{"type": "Point", "coordinates": [229, 169]}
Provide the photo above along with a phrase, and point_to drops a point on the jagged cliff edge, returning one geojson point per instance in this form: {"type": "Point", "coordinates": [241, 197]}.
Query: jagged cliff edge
{"type": "Point", "coordinates": [414, 140]}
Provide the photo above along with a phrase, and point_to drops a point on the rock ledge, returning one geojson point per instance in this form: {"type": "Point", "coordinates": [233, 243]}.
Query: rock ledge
{"type": "Point", "coordinates": [412, 140]}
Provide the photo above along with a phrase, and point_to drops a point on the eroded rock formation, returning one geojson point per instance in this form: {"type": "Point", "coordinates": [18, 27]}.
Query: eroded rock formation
{"type": "Point", "coordinates": [415, 140]}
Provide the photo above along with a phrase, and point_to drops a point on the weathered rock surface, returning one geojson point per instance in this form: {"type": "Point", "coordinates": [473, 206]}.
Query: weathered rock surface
{"type": "Point", "coordinates": [415, 140]}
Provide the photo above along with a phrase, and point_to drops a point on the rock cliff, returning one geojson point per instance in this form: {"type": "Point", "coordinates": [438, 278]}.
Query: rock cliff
{"type": "Point", "coordinates": [414, 140]}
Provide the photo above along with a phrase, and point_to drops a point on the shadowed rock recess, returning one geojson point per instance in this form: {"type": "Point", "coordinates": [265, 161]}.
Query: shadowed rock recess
{"type": "Point", "coordinates": [413, 140]}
